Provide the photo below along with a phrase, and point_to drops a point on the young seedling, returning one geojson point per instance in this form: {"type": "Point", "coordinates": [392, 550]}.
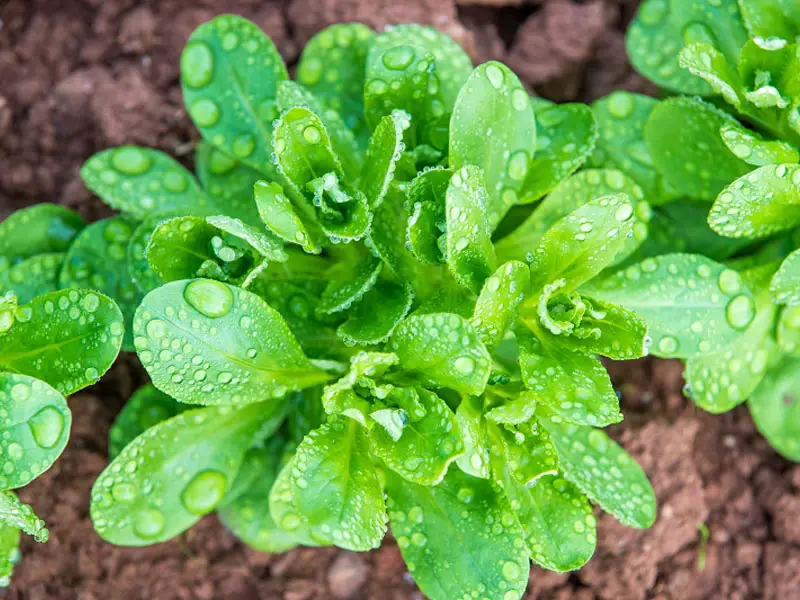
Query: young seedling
{"type": "Point", "coordinates": [335, 340]}
{"type": "Point", "coordinates": [53, 342]}
{"type": "Point", "coordinates": [723, 295]}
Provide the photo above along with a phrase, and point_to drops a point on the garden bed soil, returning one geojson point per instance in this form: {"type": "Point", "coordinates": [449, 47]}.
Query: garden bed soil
{"type": "Point", "coordinates": [77, 76]}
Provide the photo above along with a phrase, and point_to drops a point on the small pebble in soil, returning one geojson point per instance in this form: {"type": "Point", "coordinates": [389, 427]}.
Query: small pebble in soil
{"type": "Point", "coordinates": [346, 575]}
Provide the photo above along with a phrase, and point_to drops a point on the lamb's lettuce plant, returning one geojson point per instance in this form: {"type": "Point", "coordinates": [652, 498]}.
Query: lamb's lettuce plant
{"type": "Point", "coordinates": [723, 294]}
{"type": "Point", "coordinates": [53, 343]}
{"type": "Point", "coordinates": [334, 337]}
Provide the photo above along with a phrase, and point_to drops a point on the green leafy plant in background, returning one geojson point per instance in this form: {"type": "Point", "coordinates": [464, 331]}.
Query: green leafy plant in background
{"type": "Point", "coordinates": [356, 313]}
{"type": "Point", "coordinates": [718, 279]}
{"type": "Point", "coordinates": [53, 343]}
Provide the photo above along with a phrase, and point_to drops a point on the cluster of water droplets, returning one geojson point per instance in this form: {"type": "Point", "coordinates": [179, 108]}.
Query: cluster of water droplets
{"type": "Point", "coordinates": [604, 472]}
{"type": "Point", "coordinates": [467, 506]}
{"type": "Point", "coordinates": [173, 340]}
{"type": "Point", "coordinates": [142, 181]}
{"type": "Point", "coordinates": [229, 70]}
{"type": "Point", "coordinates": [159, 485]}
{"type": "Point", "coordinates": [34, 421]}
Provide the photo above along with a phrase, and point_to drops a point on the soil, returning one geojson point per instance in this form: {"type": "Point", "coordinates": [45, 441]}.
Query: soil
{"type": "Point", "coordinates": [78, 76]}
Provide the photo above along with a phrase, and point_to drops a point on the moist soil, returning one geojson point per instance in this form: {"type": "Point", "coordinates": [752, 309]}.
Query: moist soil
{"type": "Point", "coordinates": [77, 76]}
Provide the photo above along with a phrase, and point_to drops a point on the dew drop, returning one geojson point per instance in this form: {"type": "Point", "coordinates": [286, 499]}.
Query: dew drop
{"type": "Point", "coordinates": [668, 344]}
{"type": "Point", "coordinates": [620, 104]}
{"type": "Point", "coordinates": [204, 492]}
{"type": "Point", "coordinates": [210, 298]}
{"type": "Point", "coordinates": [465, 365]}
{"type": "Point", "coordinates": [204, 112]}
{"type": "Point", "coordinates": [729, 282]}
{"type": "Point", "coordinates": [312, 135]}
{"type": "Point", "coordinates": [495, 76]}
{"type": "Point", "coordinates": [520, 100]}
{"type": "Point", "coordinates": [131, 160]}
{"type": "Point", "coordinates": [244, 145]}
{"type": "Point", "coordinates": [740, 311]}
{"type": "Point", "coordinates": [148, 523]}
{"type": "Point", "coordinates": [398, 58]}
{"type": "Point", "coordinates": [46, 427]}
{"type": "Point", "coordinates": [197, 65]}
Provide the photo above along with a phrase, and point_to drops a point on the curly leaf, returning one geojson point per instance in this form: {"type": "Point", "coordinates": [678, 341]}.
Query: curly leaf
{"type": "Point", "coordinates": [759, 204]}
{"type": "Point", "coordinates": [205, 342]}
{"type": "Point", "coordinates": [604, 472]}
{"type": "Point", "coordinates": [282, 218]}
{"type": "Point", "coordinates": [14, 513]}
{"type": "Point", "coordinates": [526, 449]}
{"type": "Point", "coordinates": [34, 428]}
{"type": "Point", "coordinates": [427, 199]}
{"type": "Point", "coordinates": [498, 303]}
{"type": "Point", "coordinates": [754, 150]}
{"type": "Point", "coordinates": [705, 61]}
{"type": "Point", "coordinates": [97, 260]}
{"type": "Point", "coordinates": [374, 318]}
{"type": "Point", "coordinates": [459, 538]}
{"type": "Point", "coordinates": [605, 329]}
{"type": "Point", "coordinates": [348, 283]}
{"type": "Point", "coordinates": [442, 350]}
{"type": "Point", "coordinates": [68, 339]}
{"type": "Point", "coordinates": [426, 446]}
{"type": "Point", "coordinates": [230, 72]}
{"type": "Point", "coordinates": [580, 245]}
{"type": "Point", "coordinates": [343, 142]}
{"type": "Point", "coordinates": [174, 473]}
{"type": "Point", "coordinates": [384, 151]}
{"type": "Point", "coordinates": [493, 127]}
